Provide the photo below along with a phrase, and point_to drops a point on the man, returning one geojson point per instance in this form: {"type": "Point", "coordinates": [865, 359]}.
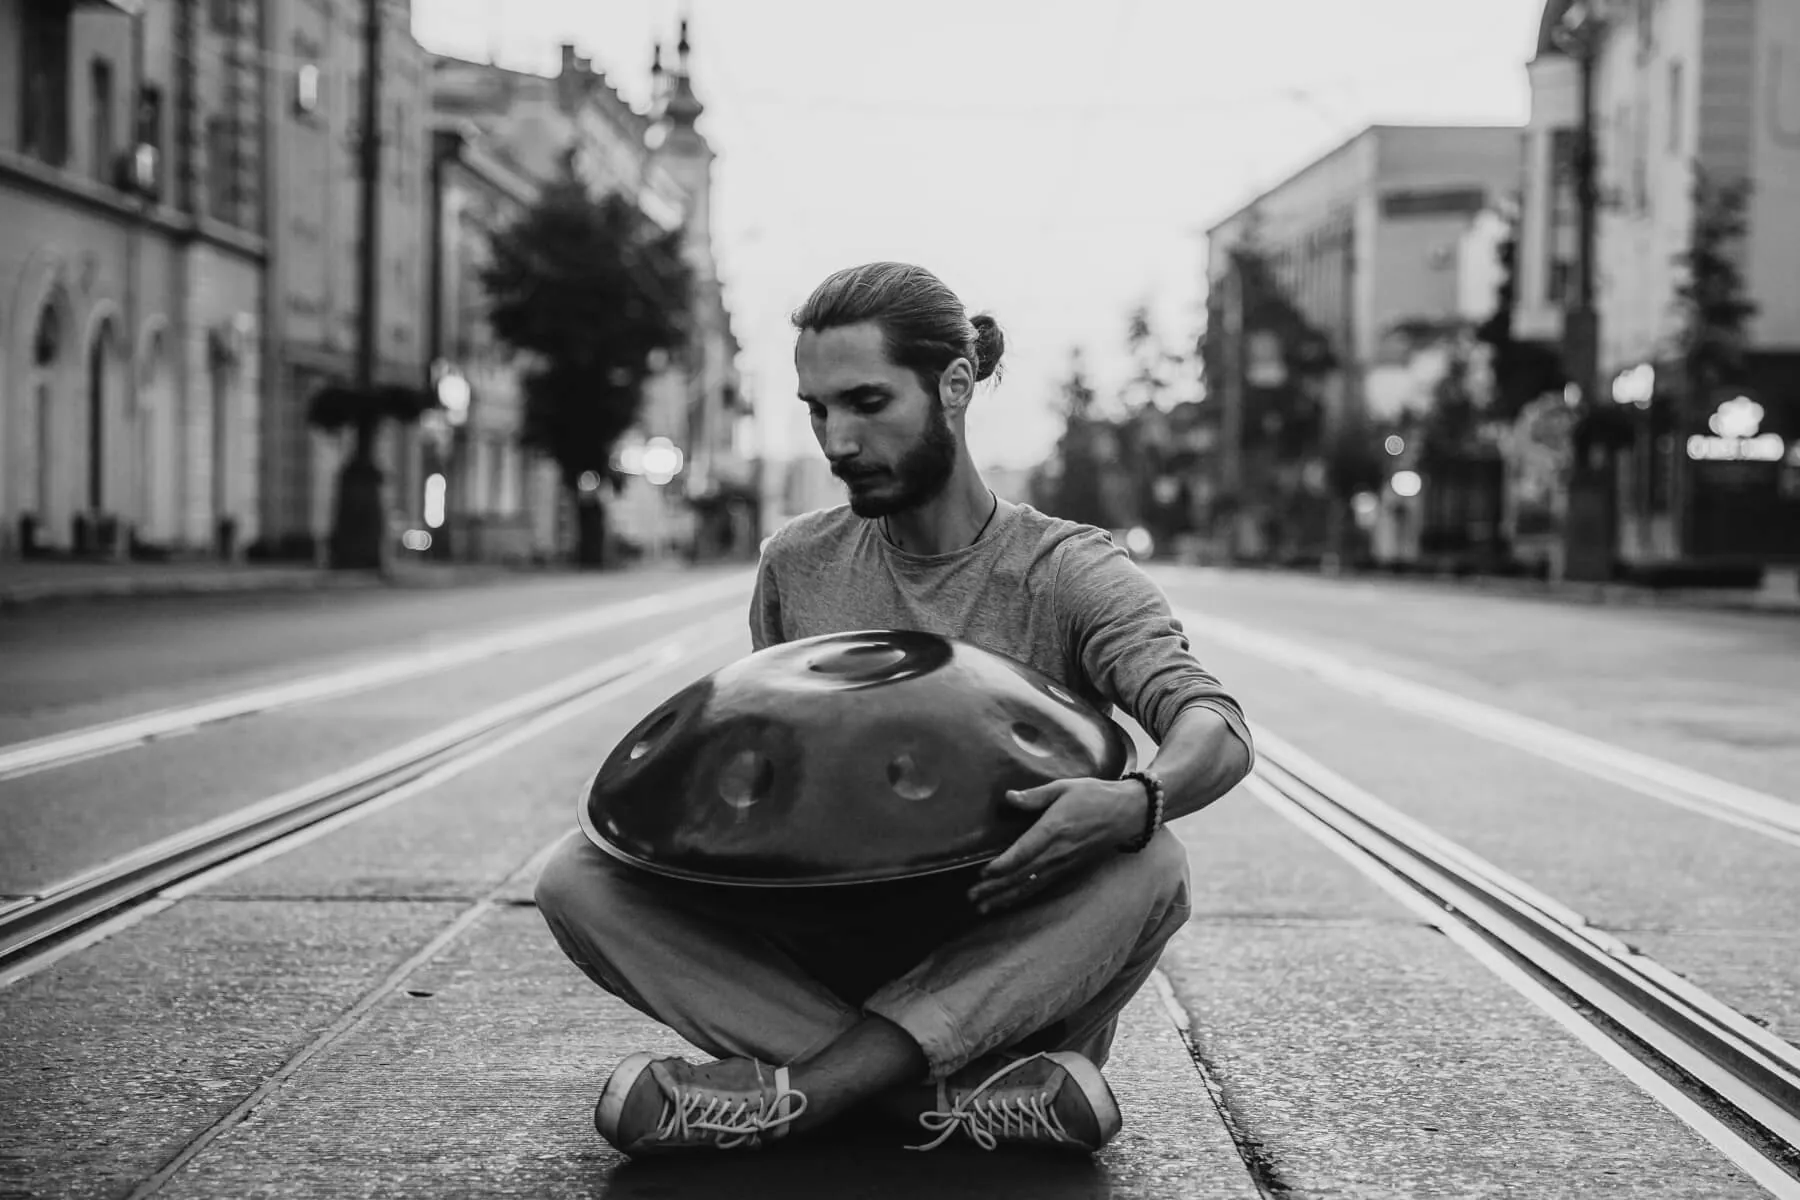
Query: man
{"type": "Point", "coordinates": [987, 1011]}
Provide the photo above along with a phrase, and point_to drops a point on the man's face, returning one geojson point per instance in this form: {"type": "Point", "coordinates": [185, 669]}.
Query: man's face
{"type": "Point", "coordinates": [885, 436]}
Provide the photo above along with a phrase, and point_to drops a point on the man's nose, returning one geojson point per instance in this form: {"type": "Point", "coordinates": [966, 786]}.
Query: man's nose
{"type": "Point", "coordinates": [838, 439]}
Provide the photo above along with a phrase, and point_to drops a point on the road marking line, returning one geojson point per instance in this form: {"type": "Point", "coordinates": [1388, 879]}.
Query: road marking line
{"type": "Point", "coordinates": [61, 749]}
{"type": "Point", "coordinates": [1743, 1155]}
{"type": "Point", "coordinates": [1744, 807]}
{"type": "Point", "coordinates": [708, 636]}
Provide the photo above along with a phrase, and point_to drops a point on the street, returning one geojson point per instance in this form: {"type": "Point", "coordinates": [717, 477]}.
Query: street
{"type": "Point", "coordinates": [369, 1005]}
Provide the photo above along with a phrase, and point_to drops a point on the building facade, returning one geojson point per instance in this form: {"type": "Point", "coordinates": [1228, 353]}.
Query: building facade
{"type": "Point", "coordinates": [1684, 90]}
{"type": "Point", "coordinates": [314, 213]}
{"type": "Point", "coordinates": [132, 256]}
{"type": "Point", "coordinates": [482, 496]}
{"type": "Point", "coordinates": [578, 120]}
{"type": "Point", "coordinates": [1377, 247]}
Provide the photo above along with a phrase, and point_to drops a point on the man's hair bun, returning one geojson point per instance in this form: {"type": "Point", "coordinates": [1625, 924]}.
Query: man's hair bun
{"type": "Point", "coordinates": [990, 344]}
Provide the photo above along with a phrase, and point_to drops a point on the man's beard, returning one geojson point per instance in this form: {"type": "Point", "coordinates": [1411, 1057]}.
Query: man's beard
{"type": "Point", "coordinates": [920, 474]}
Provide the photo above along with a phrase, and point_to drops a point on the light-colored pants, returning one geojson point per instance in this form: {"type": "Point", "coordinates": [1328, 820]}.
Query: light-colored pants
{"type": "Point", "coordinates": [778, 974]}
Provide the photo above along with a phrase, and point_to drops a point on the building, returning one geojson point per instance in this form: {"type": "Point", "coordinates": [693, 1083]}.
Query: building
{"type": "Point", "coordinates": [132, 254]}
{"type": "Point", "coordinates": [1367, 250]}
{"type": "Point", "coordinates": [578, 120]}
{"type": "Point", "coordinates": [1682, 88]}
{"type": "Point", "coordinates": [482, 495]}
{"type": "Point", "coordinates": [315, 263]}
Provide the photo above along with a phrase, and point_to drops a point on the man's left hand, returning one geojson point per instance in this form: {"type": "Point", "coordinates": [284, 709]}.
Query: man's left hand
{"type": "Point", "coordinates": [1082, 821]}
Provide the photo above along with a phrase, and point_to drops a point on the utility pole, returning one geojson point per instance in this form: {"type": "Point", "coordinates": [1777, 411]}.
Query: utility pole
{"type": "Point", "coordinates": [358, 529]}
{"type": "Point", "coordinates": [369, 324]}
{"type": "Point", "coordinates": [1590, 528]}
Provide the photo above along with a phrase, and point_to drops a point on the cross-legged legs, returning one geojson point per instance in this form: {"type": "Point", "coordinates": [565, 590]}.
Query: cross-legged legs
{"type": "Point", "coordinates": [1052, 974]}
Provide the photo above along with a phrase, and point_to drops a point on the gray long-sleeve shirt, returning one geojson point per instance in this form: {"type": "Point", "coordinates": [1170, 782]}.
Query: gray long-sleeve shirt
{"type": "Point", "coordinates": [1058, 596]}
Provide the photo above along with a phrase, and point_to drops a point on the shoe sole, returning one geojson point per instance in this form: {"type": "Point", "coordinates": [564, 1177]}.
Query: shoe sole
{"type": "Point", "coordinates": [1094, 1086]}
{"type": "Point", "coordinates": [611, 1105]}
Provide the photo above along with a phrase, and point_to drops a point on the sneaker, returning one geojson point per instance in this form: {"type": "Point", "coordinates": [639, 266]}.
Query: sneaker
{"type": "Point", "coordinates": [1056, 1099]}
{"type": "Point", "coordinates": [654, 1105]}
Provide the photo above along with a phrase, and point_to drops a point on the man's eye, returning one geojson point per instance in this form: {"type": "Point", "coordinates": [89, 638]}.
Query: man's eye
{"type": "Point", "coordinates": [869, 408]}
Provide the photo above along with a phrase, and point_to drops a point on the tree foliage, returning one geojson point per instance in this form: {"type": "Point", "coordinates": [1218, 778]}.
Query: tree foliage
{"type": "Point", "coordinates": [1522, 371]}
{"type": "Point", "coordinates": [587, 291]}
{"type": "Point", "coordinates": [1710, 299]}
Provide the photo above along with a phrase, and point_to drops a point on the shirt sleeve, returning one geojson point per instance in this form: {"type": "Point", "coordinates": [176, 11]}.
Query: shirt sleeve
{"type": "Point", "coordinates": [1118, 625]}
{"type": "Point", "coordinates": [765, 604]}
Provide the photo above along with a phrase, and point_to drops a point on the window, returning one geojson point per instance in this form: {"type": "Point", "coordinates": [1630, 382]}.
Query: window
{"type": "Point", "coordinates": [1675, 105]}
{"type": "Point", "coordinates": [44, 83]}
{"type": "Point", "coordinates": [101, 135]}
{"type": "Point", "coordinates": [220, 164]}
{"type": "Point", "coordinates": [1562, 281]}
{"type": "Point", "coordinates": [146, 151]}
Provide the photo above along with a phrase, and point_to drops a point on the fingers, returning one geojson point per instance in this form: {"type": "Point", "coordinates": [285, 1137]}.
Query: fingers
{"type": "Point", "coordinates": [999, 894]}
{"type": "Point", "coordinates": [1039, 798]}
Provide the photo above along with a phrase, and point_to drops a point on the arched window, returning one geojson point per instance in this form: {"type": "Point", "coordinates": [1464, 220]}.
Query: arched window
{"type": "Point", "coordinates": [150, 366]}
{"type": "Point", "coordinates": [46, 344]}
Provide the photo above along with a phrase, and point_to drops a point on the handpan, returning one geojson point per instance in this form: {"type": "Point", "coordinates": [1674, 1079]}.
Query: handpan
{"type": "Point", "coordinates": [841, 759]}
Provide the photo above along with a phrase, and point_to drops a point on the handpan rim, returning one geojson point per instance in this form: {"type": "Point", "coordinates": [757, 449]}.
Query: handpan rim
{"type": "Point", "coordinates": [600, 842]}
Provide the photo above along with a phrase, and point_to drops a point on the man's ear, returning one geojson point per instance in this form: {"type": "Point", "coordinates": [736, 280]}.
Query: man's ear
{"type": "Point", "coordinates": [956, 386]}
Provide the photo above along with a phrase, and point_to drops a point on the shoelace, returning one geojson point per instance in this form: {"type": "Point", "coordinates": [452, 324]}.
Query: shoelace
{"type": "Point", "coordinates": [688, 1113]}
{"type": "Point", "coordinates": [988, 1119]}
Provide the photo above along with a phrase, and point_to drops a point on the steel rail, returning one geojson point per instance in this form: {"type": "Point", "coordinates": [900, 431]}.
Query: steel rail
{"type": "Point", "coordinates": [32, 924]}
{"type": "Point", "coordinates": [1727, 1057]}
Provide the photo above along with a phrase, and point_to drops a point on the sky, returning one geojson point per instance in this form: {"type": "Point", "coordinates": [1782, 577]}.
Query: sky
{"type": "Point", "coordinates": [1054, 162]}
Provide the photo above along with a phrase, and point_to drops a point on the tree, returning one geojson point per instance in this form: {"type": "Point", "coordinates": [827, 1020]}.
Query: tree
{"type": "Point", "coordinates": [587, 292]}
{"type": "Point", "coordinates": [1710, 299]}
{"type": "Point", "coordinates": [1522, 371]}
{"type": "Point", "coordinates": [1076, 492]}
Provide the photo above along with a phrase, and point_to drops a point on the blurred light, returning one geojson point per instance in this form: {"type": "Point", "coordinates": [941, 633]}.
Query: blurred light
{"type": "Point", "coordinates": [306, 88]}
{"type": "Point", "coordinates": [1395, 444]}
{"type": "Point", "coordinates": [1406, 483]}
{"type": "Point", "coordinates": [662, 460]}
{"type": "Point", "coordinates": [436, 487]}
{"type": "Point", "coordinates": [1572, 395]}
{"type": "Point", "coordinates": [454, 392]}
{"type": "Point", "coordinates": [1139, 542]}
{"type": "Point", "coordinates": [416, 539]}
{"type": "Point", "coordinates": [589, 481]}
{"type": "Point", "coordinates": [1365, 505]}
{"type": "Point", "coordinates": [1635, 386]}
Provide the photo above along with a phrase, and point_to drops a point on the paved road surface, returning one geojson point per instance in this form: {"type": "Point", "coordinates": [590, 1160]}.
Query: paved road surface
{"type": "Point", "coordinates": [378, 1010]}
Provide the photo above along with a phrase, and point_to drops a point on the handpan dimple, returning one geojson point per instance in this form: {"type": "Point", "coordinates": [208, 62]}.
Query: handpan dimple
{"type": "Point", "coordinates": [745, 778]}
{"type": "Point", "coordinates": [848, 758]}
{"type": "Point", "coordinates": [911, 777]}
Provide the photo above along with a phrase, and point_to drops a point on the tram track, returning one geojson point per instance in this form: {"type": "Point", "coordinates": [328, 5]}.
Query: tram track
{"type": "Point", "coordinates": [1734, 1082]}
{"type": "Point", "coordinates": [35, 929]}
{"type": "Point", "coordinates": [81, 745]}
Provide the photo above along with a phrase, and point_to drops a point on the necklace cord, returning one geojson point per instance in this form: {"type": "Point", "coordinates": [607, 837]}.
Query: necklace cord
{"type": "Point", "coordinates": [993, 511]}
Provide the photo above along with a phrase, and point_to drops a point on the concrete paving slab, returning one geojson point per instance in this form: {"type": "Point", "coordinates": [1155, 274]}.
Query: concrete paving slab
{"type": "Point", "coordinates": [1380, 1061]}
{"type": "Point", "coordinates": [467, 834]}
{"type": "Point", "coordinates": [1625, 861]}
{"type": "Point", "coordinates": [478, 1078]}
{"type": "Point", "coordinates": [113, 1059]}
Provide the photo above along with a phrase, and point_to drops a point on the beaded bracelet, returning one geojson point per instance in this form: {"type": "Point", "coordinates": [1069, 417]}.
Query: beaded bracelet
{"type": "Point", "coordinates": [1153, 816]}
